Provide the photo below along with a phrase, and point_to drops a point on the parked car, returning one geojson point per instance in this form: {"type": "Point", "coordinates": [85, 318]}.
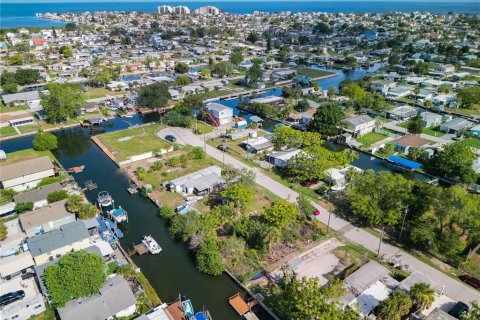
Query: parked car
{"type": "Point", "coordinates": [223, 147]}
{"type": "Point", "coordinates": [458, 309]}
{"type": "Point", "coordinates": [314, 214]}
{"type": "Point", "coordinates": [11, 297]}
{"type": "Point", "coordinates": [474, 282]}
{"type": "Point", "coordinates": [170, 138]}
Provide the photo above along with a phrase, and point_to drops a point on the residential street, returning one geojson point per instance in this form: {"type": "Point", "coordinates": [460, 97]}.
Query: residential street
{"type": "Point", "coordinates": [451, 287]}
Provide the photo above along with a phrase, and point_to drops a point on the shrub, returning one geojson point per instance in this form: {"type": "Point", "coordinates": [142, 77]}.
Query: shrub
{"type": "Point", "coordinates": [197, 153]}
{"type": "Point", "coordinates": [23, 207]}
{"type": "Point", "coordinates": [57, 196]}
{"type": "Point", "coordinates": [45, 141]}
{"type": "Point", "coordinates": [87, 211]}
{"type": "Point", "coordinates": [74, 202]}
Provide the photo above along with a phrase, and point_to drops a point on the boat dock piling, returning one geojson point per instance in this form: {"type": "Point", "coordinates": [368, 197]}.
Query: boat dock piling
{"type": "Point", "coordinates": [89, 185]}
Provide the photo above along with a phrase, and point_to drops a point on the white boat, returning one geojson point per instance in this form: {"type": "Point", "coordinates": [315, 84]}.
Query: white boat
{"type": "Point", "coordinates": [104, 199]}
{"type": "Point", "coordinates": [151, 244]}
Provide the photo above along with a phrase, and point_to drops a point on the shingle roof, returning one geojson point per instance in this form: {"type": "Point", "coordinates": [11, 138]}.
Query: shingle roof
{"type": "Point", "coordinates": [67, 234]}
{"type": "Point", "coordinates": [54, 211]}
{"type": "Point", "coordinates": [37, 194]}
{"type": "Point", "coordinates": [22, 96]}
{"type": "Point", "coordinates": [18, 169]}
{"type": "Point", "coordinates": [114, 296]}
{"type": "Point", "coordinates": [358, 120]}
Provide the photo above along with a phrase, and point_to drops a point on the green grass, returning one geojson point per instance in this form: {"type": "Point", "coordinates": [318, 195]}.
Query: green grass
{"type": "Point", "coordinates": [126, 143]}
{"type": "Point", "coordinates": [370, 138]}
{"type": "Point", "coordinates": [48, 314]}
{"type": "Point", "coordinates": [149, 290]}
{"type": "Point", "coordinates": [26, 154]}
{"type": "Point", "coordinates": [216, 93]}
{"type": "Point", "coordinates": [28, 128]}
{"type": "Point", "coordinates": [472, 142]}
{"type": "Point", "coordinates": [202, 127]}
{"type": "Point", "coordinates": [433, 131]}
{"type": "Point", "coordinates": [7, 131]}
{"type": "Point", "coordinates": [475, 111]}
{"type": "Point", "coordinates": [312, 73]}
{"type": "Point", "coordinates": [95, 93]}
{"type": "Point", "coordinates": [6, 196]}
{"type": "Point", "coordinates": [12, 109]}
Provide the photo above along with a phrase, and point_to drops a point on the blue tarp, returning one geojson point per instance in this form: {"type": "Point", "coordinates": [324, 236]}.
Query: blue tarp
{"type": "Point", "coordinates": [405, 163]}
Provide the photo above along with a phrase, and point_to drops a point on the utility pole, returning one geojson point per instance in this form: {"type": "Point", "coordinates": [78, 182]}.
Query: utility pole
{"type": "Point", "coordinates": [380, 243]}
{"type": "Point", "coordinates": [403, 223]}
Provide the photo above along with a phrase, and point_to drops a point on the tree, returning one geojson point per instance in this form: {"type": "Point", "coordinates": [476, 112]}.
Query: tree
{"type": "Point", "coordinates": [74, 202]}
{"type": "Point", "coordinates": [70, 26]}
{"type": "Point", "coordinates": [77, 274]}
{"type": "Point", "coordinates": [415, 124]}
{"type": "Point", "coordinates": [326, 120]}
{"type": "Point", "coordinates": [62, 101]}
{"type": "Point", "coordinates": [269, 44]}
{"type": "Point", "coordinates": [236, 57]}
{"type": "Point", "coordinates": [87, 211]}
{"type": "Point", "coordinates": [190, 103]}
{"type": "Point", "coordinates": [3, 230]}
{"type": "Point", "coordinates": [154, 96]}
{"type": "Point", "coordinates": [16, 59]}
{"type": "Point", "coordinates": [45, 141]}
{"type": "Point", "coordinates": [283, 54]}
{"type": "Point", "coordinates": [182, 81]}
{"type": "Point", "coordinates": [10, 88]}
{"type": "Point", "coordinates": [57, 196]}
{"type": "Point", "coordinates": [379, 198]}
{"type": "Point", "coordinates": [197, 153]}
{"type": "Point", "coordinates": [302, 105]}
{"type": "Point", "coordinates": [350, 62]}
{"type": "Point", "coordinates": [395, 307]}
{"type": "Point", "coordinates": [26, 76]}
{"type": "Point", "coordinates": [24, 207]}
{"type": "Point", "coordinates": [415, 153]}
{"type": "Point", "coordinates": [455, 161]}
{"type": "Point", "coordinates": [281, 212]}
{"type": "Point", "coordinates": [331, 92]}
{"type": "Point", "coordinates": [422, 68]}
{"type": "Point", "coordinates": [104, 76]}
{"type": "Point", "coordinates": [222, 68]}
{"type": "Point", "coordinates": [322, 28]}
{"type": "Point", "coordinates": [254, 74]}
{"type": "Point", "coordinates": [285, 137]}
{"type": "Point", "coordinates": [422, 295]}
{"type": "Point", "coordinates": [209, 259]}
{"type": "Point", "coordinates": [253, 37]}
{"type": "Point", "coordinates": [238, 195]}
{"type": "Point", "coordinates": [469, 96]}
{"type": "Point", "coordinates": [181, 67]}
{"type": "Point", "coordinates": [204, 73]}
{"type": "Point", "coordinates": [66, 51]}
{"type": "Point", "coordinates": [473, 313]}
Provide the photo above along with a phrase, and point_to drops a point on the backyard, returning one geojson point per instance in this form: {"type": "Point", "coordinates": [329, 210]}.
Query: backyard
{"type": "Point", "coordinates": [472, 142]}
{"type": "Point", "coordinates": [312, 73]}
{"type": "Point", "coordinates": [26, 154]}
{"type": "Point", "coordinates": [95, 93]}
{"type": "Point", "coordinates": [7, 131]}
{"type": "Point", "coordinates": [126, 143]}
{"type": "Point", "coordinates": [370, 138]}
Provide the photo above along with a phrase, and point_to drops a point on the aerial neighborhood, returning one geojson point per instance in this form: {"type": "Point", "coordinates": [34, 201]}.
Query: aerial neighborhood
{"type": "Point", "coordinates": [190, 164]}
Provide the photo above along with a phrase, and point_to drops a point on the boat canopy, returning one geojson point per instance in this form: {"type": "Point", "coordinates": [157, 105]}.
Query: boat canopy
{"type": "Point", "coordinates": [404, 163]}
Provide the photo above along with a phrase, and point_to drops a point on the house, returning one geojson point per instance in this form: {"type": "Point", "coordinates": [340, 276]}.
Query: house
{"type": "Point", "coordinates": [430, 119]}
{"type": "Point", "coordinates": [456, 125]}
{"type": "Point", "coordinates": [338, 177]}
{"type": "Point", "coordinates": [444, 69]}
{"type": "Point", "coordinates": [16, 264]}
{"type": "Point", "coordinates": [37, 196]}
{"type": "Point", "coordinates": [475, 131]}
{"type": "Point", "coordinates": [271, 65]}
{"type": "Point", "coordinates": [359, 125]}
{"type": "Point", "coordinates": [20, 98]}
{"type": "Point", "coordinates": [13, 243]}
{"type": "Point", "coordinates": [201, 182]}
{"type": "Point", "coordinates": [383, 86]}
{"type": "Point", "coordinates": [26, 174]}
{"type": "Point", "coordinates": [115, 300]}
{"type": "Point", "coordinates": [405, 143]}
{"type": "Point", "coordinates": [443, 99]}
{"type": "Point", "coordinates": [259, 144]}
{"type": "Point", "coordinates": [280, 158]}
{"type": "Point", "coordinates": [367, 287]}
{"type": "Point", "coordinates": [221, 113]}
{"type": "Point", "coordinates": [399, 92]}
{"type": "Point", "coordinates": [45, 219]}
{"type": "Point", "coordinates": [54, 244]}
{"type": "Point", "coordinates": [402, 113]}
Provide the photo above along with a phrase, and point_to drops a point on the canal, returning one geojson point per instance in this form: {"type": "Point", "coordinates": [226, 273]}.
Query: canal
{"type": "Point", "coordinates": [173, 271]}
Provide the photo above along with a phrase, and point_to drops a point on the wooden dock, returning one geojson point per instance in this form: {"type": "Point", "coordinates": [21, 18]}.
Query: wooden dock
{"type": "Point", "coordinates": [242, 307]}
{"type": "Point", "coordinates": [89, 185]}
{"type": "Point", "coordinates": [139, 249]}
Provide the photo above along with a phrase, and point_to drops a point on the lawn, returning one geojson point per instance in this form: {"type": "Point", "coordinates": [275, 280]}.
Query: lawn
{"type": "Point", "coordinates": [475, 111]}
{"type": "Point", "coordinates": [29, 128]}
{"type": "Point", "coordinates": [7, 131]}
{"type": "Point", "coordinates": [472, 142]}
{"type": "Point", "coordinates": [12, 109]}
{"type": "Point", "coordinates": [370, 138]}
{"type": "Point", "coordinates": [433, 131]}
{"type": "Point", "coordinates": [202, 127]}
{"type": "Point", "coordinates": [312, 73]}
{"type": "Point", "coordinates": [26, 154]}
{"type": "Point", "coordinates": [216, 93]}
{"type": "Point", "coordinates": [95, 93]}
{"type": "Point", "coordinates": [126, 143]}
{"type": "Point", "coordinates": [6, 196]}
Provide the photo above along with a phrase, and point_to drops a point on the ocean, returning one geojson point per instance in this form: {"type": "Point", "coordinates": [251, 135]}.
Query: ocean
{"type": "Point", "coordinates": [23, 14]}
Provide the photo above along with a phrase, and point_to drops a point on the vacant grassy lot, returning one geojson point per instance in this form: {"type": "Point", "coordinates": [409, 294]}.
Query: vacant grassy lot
{"type": "Point", "coordinates": [126, 143]}
{"type": "Point", "coordinates": [312, 73]}
{"type": "Point", "coordinates": [202, 127]}
{"type": "Point", "coordinates": [7, 131]}
{"type": "Point", "coordinates": [370, 138]}
{"type": "Point", "coordinates": [29, 128]}
{"type": "Point", "coordinates": [472, 142]}
{"type": "Point", "coordinates": [94, 93]}
{"type": "Point", "coordinates": [26, 154]}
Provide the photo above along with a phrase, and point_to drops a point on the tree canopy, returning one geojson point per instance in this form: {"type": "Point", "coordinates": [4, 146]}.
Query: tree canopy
{"type": "Point", "coordinates": [395, 307]}
{"type": "Point", "coordinates": [415, 124]}
{"type": "Point", "coordinates": [181, 67]}
{"type": "Point", "coordinates": [154, 96]}
{"type": "Point", "coordinates": [208, 257]}
{"type": "Point", "coordinates": [254, 74]}
{"type": "Point", "coordinates": [77, 274]}
{"type": "Point", "coordinates": [281, 212]}
{"type": "Point", "coordinates": [469, 97]}
{"type": "Point", "coordinates": [327, 120]}
{"type": "Point", "coordinates": [45, 141]}
{"type": "Point", "coordinates": [62, 101]}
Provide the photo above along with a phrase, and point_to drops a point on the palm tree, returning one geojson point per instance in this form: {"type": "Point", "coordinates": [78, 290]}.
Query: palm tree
{"type": "Point", "coordinates": [422, 295]}
{"type": "Point", "coordinates": [395, 307]}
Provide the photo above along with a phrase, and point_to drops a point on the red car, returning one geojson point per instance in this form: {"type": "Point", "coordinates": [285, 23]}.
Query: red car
{"type": "Point", "coordinates": [316, 212]}
{"type": "Point", "coordinates": [474, 282]}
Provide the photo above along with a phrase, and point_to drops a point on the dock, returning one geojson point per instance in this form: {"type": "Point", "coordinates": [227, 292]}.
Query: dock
{"type": "Point", "coordinates": [77, 169]}
{"type": "Point", "coordinates": [89, 185]}
{"type": "Point", "coordinates": [139, 249]}
{"type": "Point", "coordinates": [133, 188]}
{"type": "Point", "coordinates": [241, 307]}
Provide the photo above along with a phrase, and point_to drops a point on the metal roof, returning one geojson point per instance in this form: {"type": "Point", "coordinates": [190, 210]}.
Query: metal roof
{"type": "Point", "coordinates": [405, 162]}
{"type": "Point", "coordinates": [37, 194]}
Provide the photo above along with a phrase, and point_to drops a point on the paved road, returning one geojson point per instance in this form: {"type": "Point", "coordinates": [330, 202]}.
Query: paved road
{"type": "Point", "coordinates": [451, 287]}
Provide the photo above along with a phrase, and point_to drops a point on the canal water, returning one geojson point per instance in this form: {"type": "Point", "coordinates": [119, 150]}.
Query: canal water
{"type": "Point", "coordinates": [173, 271]}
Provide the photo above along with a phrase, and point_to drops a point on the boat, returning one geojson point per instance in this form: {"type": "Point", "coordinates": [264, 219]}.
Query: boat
{"type": "Point", "coordinates": [118, 215]}
{"type": "Point", "coordinates": [104, 199]}
{"type": "Point", "coordinates": [151, 244]}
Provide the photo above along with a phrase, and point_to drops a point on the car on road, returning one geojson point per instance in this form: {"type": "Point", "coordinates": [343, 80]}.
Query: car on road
{"type": "Point", "coordinates": [458, 309]}
{"type": "Point", "coordinates": [474, 282]}
{"type": "Point", "coordinates": [11, 297]}
{"type": "Point", "coordinates": [223, 147]}
{"type": "Point", "coordinates": [314, 214]}
{"type": "Point", "coordinates": [170, 138]}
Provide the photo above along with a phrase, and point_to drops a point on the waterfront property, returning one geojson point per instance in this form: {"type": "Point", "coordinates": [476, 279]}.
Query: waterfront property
{"type": "Point", "coordinates": [359, 125]}
{"type": "Point", "coordinates": [37, 196]}
{"type": "Point", "coordinates": [222, 114]}
{"type": "Point", "coordinates": [201, 182]}
{"type": "Point", "coordinates": [26, 174]}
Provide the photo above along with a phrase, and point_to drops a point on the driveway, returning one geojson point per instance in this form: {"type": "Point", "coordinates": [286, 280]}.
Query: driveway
{"type": "Point", "coordinates": [442, 283]}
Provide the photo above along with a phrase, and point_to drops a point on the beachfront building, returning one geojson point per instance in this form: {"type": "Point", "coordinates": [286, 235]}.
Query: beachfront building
{"type": "Point", "coordinates": [23, 175]}
{"type": "Point", "coordinates": [207, 10]}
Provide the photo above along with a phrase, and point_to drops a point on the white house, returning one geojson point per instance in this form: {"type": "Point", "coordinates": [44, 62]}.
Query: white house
{"type": "Point", "coordinates": [280, 158]}
{"type": "Point", "coordinates": [201, 182]}
{"type": "Point", "coordinates": [222, 113]}
{"type": "Point", "coordinates": [430, 119]}
{"type": "Point", "coordinates": [26, 174]}
{"type": "Point", "coordinates": [360, 125]}
{"type": "Point", "coordinates": [445, 69]}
